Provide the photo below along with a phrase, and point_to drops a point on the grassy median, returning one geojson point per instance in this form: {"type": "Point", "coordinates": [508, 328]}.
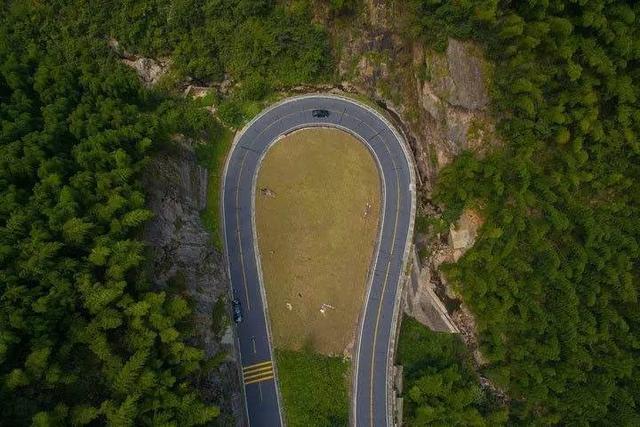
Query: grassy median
{"type": "Point", "coordinates": [317, 209]}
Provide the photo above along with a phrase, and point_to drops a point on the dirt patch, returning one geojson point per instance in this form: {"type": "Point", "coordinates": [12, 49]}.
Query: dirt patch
{"type": "Point", "coordinates": [315, 240]}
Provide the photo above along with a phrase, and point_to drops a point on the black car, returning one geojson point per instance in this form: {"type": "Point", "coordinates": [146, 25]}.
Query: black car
{"type": "Point", "coordinates": [320, 113]}
{"type": "Point", "coordinates": [236, 308]}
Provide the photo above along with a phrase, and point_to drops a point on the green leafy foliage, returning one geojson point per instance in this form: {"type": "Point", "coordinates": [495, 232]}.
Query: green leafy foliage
{"type": "Point", "coordinates": [553, 278]}
{"type": "Point", "coordinates": [83, 337]}
{"type": "Point", "coordinates": [248, 39]}
{"type": "Point", "coordinates": [441, 387]}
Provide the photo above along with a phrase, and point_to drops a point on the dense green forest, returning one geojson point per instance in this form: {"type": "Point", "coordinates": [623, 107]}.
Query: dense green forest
{"type": "Point", "coordinates": [553, 278]}
{"type": "Point", "coordinates": [84, 337]}
{"type": "Point", "coordinates": [442, 388]}
{"type": "Point", "coordinates": [251, 40]}
{"type": "Point", "coordinates": [256, 43]}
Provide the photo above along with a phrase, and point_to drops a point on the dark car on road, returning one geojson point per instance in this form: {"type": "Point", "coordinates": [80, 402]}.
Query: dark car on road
{"type": "Point", "coordinates": [236, 308]}
{"type": "Point", "coordinates": [320, 113]}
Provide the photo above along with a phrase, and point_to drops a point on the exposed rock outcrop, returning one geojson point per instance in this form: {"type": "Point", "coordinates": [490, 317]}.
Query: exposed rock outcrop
{"type": "Point", "coordinates": [463, 234]}
{"type": "Point", "coordinates": [442, 98]}
{"type": "Point", "coordinates": [183, 256]}
{"type": "Point", "coordinates": [463, 85]}
{"type": "Point", "coordinates": [149, 70]}
{"type": "Point", "coordinates": [452, 90]}
{"type": "Point", "coordinates": [447, 248]}
{"type": "Point", "coordinates": [421, 302]}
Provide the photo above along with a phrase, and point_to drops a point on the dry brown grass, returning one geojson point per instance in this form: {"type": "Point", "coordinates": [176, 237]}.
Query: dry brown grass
{"type": "Point", "coordinates": [315, 240]}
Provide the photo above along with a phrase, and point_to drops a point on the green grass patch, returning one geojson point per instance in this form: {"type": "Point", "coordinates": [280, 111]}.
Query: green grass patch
{"type": "Point", "coordinates": [212, 155]}
{"type": "Point", "coordinates": [219, 318]}
{"type": "Point", "coordinates": [315, 388]}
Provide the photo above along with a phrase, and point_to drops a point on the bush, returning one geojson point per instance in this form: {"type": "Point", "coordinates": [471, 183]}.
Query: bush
{"type": "Point", "coordinates": [230, 112]}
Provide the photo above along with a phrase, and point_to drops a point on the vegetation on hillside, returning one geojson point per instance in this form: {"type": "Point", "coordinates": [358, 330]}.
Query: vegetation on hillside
{"type": "Point", "coordinates": [84, 338]}
{"type": "Point", "coordinates": [441, 388]}
{"type": "Point", "coordinates": [553, 278]}
{"type": "Point", "coordinates": [254, 41]}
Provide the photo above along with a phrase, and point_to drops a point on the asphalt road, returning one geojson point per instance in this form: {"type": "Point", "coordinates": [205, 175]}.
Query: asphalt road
{"type": "Point", "coordinates": [371, 394]}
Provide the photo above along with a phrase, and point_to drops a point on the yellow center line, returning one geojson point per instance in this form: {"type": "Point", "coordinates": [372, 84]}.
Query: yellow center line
{"type": "Point", "coordinates": [259, 380]}
{"type": "Point", "coordinates": [259, 370]}
{"type": "Point", "coordinates": [244, 274]}
{"type": "Point", "coordinates": [254, 378]}
{"type": "Point", "coordinates": [245, 368]}
{"type": "Point", "coordinates": [258, 375]}
{"type": "Point", "coordinates": [384, 287]}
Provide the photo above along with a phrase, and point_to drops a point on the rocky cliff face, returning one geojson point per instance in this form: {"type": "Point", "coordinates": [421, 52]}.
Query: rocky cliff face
{"type": "Point", "coordinates": [452, 91]}
{"type": "Point", "coordinates": [441, 101]}
{"type": "Point", "coordinates": [442, 98]}
{"type": "Point", "coordinates": [183, 256]}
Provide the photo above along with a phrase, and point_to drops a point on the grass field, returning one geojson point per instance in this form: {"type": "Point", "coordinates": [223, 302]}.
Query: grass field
{"type": "Point", "coordinates": [314, 388]}
{"type": "Point", "coordinates": [317, 210]}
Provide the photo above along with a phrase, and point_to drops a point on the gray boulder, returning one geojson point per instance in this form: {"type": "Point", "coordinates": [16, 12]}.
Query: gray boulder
{"type": "Point", "coordinates": [466, 69]}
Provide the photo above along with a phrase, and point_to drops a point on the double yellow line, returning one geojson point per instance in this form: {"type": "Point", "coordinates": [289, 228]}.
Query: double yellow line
{"type": "Point", "coordinates": [258, 372]}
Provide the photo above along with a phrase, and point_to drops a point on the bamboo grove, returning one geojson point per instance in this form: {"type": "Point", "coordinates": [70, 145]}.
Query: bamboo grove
{"type": "Point", "coordinates": [553, 278]}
